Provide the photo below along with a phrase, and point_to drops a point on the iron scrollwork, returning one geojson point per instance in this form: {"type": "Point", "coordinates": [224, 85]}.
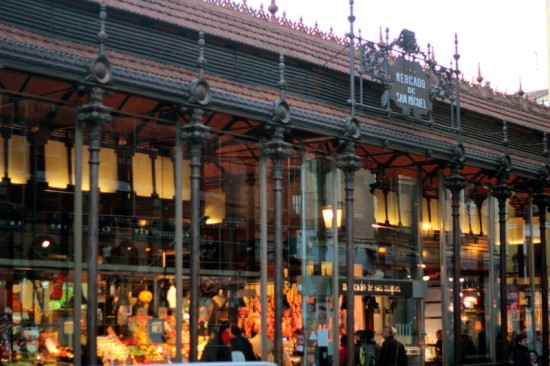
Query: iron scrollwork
{"type": "Point", "coordinates": [443, 84]}
{"type": "Point", "coordinates": [374, 62]}
{"type": "Point", "coordinates": [377, 60]}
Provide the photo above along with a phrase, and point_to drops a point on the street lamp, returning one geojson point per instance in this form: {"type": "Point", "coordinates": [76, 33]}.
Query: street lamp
{"type": "Point", "coordinates": [328, 214]}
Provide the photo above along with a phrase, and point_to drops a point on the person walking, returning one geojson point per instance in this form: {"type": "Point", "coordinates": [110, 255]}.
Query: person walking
{"type": "Point", "coordinates": [521, 352]}
{"type": "Point", "coordinates": [469, 352]}
{"type": "Point", "coordinates": [225, 333]}
{"type": "Point", "coordinates": [238, 343]}
{"type": "Point", "coordinates": [392, 352]}
{"type": "Point", "coordinates": [257, 346]}
{"type": "Point", "coordinates": [360, 350]}
{"type": "Point", "coordinates": [373, 349]}
{"type": "Point", "coordinates": [215, 350]}
{"type": "Point", "coordinates": [343, 350]}
{"type": "Point", "coordinates": [439, 348]}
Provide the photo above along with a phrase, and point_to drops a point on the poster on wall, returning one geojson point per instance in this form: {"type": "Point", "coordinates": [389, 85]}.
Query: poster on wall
{"type": "Point", "coordinates": [513, 300]}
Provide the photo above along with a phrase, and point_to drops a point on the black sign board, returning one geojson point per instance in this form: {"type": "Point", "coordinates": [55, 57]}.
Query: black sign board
{"type": "Point", "coordinates": [411, 87]}
{"type": "Point", "coordinates": [386, 287]}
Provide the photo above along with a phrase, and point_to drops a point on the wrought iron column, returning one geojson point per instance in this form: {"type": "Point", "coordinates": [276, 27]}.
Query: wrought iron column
{"type": "Point", "coordinates": [542, 200]}
{"type": "Point", "coordinates": [502, 192]}
{"type": "Point", "coordinates": [278, 150]}
{"type": "Point", "coordinates": [196, 134]}
{"type": "Point", "coordinates": [77, 232]}
{"type": "Point", "coordinates": [456, 182]}
{"type": "Point", "coordinates": [278, 153]}
{"type": "Point", "coordinates": [178, 243]}
{"type": "Point", "coordinates": [93, 114]}
{"type": "Point", "coordinates": [349, 163]}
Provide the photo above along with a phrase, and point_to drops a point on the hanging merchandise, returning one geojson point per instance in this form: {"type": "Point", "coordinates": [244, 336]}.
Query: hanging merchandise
{"type": "Point", "coordinates": [171, 296]}
{"type": "Point", "coordinates": [145, 296]}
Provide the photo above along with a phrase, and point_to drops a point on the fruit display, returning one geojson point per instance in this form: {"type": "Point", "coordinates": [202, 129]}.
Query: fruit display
{"type": "Point", "coordinates": [111, 348]}
{"type": "Point", "coordinates": [153, 355]}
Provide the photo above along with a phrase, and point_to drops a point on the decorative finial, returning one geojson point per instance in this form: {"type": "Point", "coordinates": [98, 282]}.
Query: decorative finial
{"type": "Point", "coordinates": [102, 35]}
{"type": "Point", "coordinates": [433, 54]}
{"type": "Point", "coordinates": [456, 55]}
{"type": "Point", "coordinates": [282, 82]}
{"type": "Point", "coordinates": [545, 144]}
{"type": "Point", "coordinates": [351, 17]}
{"type": "Point", "coordinates": [281, 109]}
{"type": "Point", "coordinates": [429, 51]}
{"type": "Point", "coordinates": [201, 60]}
{"type": "Point", "coordinates": [505, 161]}
{"type": "Point", "coordinates": [100, 67]}
{"type": "Point", "coordinates": [479, 77]}
{"type": "Point", "coordinates": [520, 92]}
{"type": "Point", "coordinates": [505, 134]}
{"type": "Point", "coordinates": [350, 35]}
{"type": "Point", "coordinates": [457, 95]}
{"type": "Point", "coordinates": [273, 10]}
{"type": "Point", "coordinates": [381, 38]}
{"type": "Point", "coordinates": [200, 90]}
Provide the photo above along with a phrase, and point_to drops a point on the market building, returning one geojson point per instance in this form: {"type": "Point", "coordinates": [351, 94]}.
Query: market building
{"type": "Point", "coordinates": [169, 166]}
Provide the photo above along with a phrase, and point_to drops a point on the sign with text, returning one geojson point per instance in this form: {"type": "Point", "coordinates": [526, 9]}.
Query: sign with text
{"type": "Point", "coordinates": [411, 87]}
{"type": "Point", "coordinates": [386, 287]}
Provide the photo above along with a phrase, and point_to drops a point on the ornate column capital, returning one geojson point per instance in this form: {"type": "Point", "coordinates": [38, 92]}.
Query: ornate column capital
{"type": "Point", "coordinates": [195, 132]}
{"type": "Point", "coordinates": [543, 179]}
{"type": "Point", "coordinates": [276, 147]}
{"type": "Point", "coordinates": [347, 160]}
{"type": "Point", "coordinates": [94, 114]}
{"type": "Point", "coordinates": [540, 197]}
{"type": "Point", "coordinates": [455, 181]}
{"type": "Point", "coordinates": [501, 191]}
{"type": "Point", "coordinates": [542, 200]}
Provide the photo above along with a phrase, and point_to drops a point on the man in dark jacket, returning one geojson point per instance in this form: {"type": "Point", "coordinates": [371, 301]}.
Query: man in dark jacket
{"type": "Point", "coordinates": [469, 351]}
{"type": "Point", "coordinates": [240, 343]}
{"type": "Point", "coordinates": [215, 350]}
{"type": "Point", "coordinates": [392, 352]}
{"type": "Point", "coordinates": [521, 352]}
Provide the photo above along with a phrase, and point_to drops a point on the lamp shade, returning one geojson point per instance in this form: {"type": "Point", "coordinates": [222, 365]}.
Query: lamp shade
{"type": "Point", "coordinates": [328, 214]}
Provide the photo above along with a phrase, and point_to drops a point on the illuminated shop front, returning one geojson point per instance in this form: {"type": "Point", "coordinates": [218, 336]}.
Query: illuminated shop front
{"type": "Point", "coordinates": [214, 182]}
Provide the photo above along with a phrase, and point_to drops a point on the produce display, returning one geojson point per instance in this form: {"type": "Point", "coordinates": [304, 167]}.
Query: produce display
{"type": "Point", "coordinates": [129, 333]}
{"type": "Point", "coordinates": [110, 348]}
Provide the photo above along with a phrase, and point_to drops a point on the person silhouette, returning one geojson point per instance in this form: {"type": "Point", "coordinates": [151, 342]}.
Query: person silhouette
{"type": "Point", "coordinates": [392, 352]}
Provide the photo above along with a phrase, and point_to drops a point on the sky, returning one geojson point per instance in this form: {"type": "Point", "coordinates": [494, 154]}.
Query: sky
{"type": "Point", "coordinates": [507, 38]}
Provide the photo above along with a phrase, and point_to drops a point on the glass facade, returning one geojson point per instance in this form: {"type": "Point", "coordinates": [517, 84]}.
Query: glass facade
{"type": "Point", "coordinates": [402, 238]}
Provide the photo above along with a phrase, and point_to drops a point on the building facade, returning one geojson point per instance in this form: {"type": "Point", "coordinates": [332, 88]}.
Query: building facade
{"type": "Point", "coordinates": [172, 166]}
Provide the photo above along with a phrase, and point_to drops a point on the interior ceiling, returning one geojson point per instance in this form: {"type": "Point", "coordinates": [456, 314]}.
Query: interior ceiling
{"type": "Point", "coordinates": [46, 106]}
